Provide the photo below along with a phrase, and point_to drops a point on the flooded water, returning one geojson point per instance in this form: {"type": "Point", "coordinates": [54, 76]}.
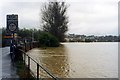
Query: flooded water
{"type": "Point", "coordinates": [79, 60]}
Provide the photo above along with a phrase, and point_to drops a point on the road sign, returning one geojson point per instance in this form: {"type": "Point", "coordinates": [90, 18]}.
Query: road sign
{"type": "Point", "coordinates": [12, 23]}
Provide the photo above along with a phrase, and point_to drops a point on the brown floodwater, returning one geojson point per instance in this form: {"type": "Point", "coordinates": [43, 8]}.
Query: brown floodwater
{"type": "Point", "coordinates": [78, 60]}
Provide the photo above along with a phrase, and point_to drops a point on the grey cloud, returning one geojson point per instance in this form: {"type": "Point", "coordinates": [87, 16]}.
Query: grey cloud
{"type": "Point", "coordinates": [97, 17]}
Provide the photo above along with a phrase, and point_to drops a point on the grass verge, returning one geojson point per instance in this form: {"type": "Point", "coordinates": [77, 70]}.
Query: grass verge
{"type": "Point", "coordinates": [22, 71]}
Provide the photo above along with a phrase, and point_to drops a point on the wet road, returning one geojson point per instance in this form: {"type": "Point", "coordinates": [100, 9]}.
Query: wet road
{"type": "Point", "coordinates": [8, 70]}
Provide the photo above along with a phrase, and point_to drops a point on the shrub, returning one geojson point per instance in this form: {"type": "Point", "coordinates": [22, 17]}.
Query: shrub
{"type": "Point", "coordinates": [47, 39]}
{"type": "Point", "coordinates": [88, 40]}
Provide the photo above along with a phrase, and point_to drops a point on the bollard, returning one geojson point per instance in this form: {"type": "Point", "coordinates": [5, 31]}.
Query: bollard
{"type": "Point", "coordinates": [37, 71]}
{"type": "Point", "coordinates": [30, 46]}
{"type": "Point", "coordinates": [18, 55]}
{"type": "Point", "coordinates": [24, 58]}
{"type": "Point", "coordinates": [25, 47]}
{"type": "Point", "coordinates": [28, 63]}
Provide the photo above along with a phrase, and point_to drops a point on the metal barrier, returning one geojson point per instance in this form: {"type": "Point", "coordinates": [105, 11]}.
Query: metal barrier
{"type": "Point", "coordinates": [38, 66]}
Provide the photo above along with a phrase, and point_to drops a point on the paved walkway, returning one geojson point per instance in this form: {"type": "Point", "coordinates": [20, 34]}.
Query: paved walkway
{"type": "Point", "coordinates": [0, 63]}
{"type": "Point", "coordinates": [8, 70]}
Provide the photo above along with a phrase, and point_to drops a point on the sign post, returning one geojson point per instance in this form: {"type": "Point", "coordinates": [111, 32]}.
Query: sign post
{"type": "Point", "coordinates": [12, 27]}
{"type": "Point", "coordinates": [12, 23]}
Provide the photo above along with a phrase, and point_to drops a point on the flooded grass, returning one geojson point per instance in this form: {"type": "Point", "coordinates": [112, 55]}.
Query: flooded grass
{"type": "Point", "coordinates": [23, 71]}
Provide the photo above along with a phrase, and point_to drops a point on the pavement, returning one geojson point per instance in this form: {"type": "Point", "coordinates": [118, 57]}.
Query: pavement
{"type": "Point", "coordinates": [8, 69]}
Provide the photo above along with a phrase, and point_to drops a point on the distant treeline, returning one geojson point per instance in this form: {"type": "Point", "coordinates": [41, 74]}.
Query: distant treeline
{"type": "Point", "coordinates": [24, 33]}
{"type": "Point", "coordinates": [29, 35]}
{"type": "Point", "coordinates": [47, 39]}
{"type": "Point", "coordinates": [92, 38]}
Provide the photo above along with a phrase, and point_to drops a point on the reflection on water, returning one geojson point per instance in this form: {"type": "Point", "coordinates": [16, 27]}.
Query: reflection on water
{"type": "Point", "coordinates": [79, 60]}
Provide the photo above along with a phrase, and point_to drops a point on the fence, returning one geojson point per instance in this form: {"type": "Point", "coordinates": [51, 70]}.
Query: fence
{"type": "Point", "coordinates": [37, 65]}
{"type": "Point", "coordinates": [29, 45]}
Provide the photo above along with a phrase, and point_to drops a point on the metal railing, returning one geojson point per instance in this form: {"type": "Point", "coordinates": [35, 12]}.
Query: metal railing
{"type": "Point", "coordinates": [38, 66]}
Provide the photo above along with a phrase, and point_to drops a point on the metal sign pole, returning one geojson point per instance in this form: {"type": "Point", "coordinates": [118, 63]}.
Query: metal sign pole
{"type": "Point", "coordinates": [13, 47]}
{"type": "Point", "coordinates": [13, 42]}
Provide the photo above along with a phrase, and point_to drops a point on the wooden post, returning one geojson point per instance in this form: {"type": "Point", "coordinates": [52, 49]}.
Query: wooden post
{"type": "Point", "coordinates": [28, 63]}
{"type": "Point", "coordinates": [24, 58]}
{"type": "Point", "coordinates": [30, 46]}
{"type": "Point", "coordinates": [38, 44]}
{"type": "Point", "coordinates": [25, 47]}
{"type": "Point", "coordinates": [37, 71]}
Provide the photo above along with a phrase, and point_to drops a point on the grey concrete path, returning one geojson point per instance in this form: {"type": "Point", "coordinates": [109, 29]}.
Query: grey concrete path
{"type": "Point", "coordinates": [8, 70]}
{"type": "Point", "coordinates": [0, 63]}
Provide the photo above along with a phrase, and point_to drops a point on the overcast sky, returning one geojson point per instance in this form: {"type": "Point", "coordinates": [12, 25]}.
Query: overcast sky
{"type": "Point", "coordinates": [90, 17]}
